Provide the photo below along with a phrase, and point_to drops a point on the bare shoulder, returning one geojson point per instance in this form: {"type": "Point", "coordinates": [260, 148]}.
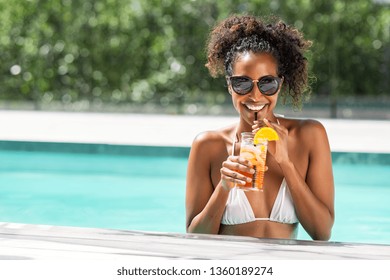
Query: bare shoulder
{"type": "Point", "coordinates": [314, 128]}
{"type": "Point", "coordinates": [208, 150]}
{"type": "Point", "coordinates": [304, 125]}
{"type": "Point", "coordinates": [308, 131]}
{"type": "Point", "coordinates": [209, 139]}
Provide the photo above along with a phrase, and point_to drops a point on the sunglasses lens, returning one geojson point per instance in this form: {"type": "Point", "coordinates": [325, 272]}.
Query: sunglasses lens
{"type": "Point", "coordinates": [241, 85]}
{"type": "Point", "coordinates": [268, 85]}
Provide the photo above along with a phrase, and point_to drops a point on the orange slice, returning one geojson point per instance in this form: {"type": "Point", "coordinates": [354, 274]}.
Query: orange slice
{"type": "Point", "coordinates": [267, 133]}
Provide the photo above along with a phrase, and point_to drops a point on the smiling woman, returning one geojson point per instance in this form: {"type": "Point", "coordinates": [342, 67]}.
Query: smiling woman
{"type": "Point", "coordinates": [261, 60]}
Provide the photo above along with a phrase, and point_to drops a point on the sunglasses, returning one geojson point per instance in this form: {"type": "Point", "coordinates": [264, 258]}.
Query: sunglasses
{"type": "Point", "coordinates": [268, 85]}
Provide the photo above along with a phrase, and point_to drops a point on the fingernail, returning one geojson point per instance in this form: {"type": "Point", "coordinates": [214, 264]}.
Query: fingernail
{"type": "Point", "coordinates": [248, 180]}
{"type": "Point", "coordinates": [252, 171]}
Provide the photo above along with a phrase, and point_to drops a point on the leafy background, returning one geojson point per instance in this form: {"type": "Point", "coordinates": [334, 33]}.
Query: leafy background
{"type": "Point", "coordinates": [149, 55]}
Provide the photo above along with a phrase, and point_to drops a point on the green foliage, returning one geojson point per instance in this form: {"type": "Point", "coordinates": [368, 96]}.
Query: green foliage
{"type": "Point", "coordinates": [152, 51]}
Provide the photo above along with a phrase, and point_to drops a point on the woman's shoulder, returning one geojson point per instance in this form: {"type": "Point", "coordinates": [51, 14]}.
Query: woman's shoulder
{"type": "Point", "coordinates": [306, 128]}
{"type": "Point", "coordinates": [210, 145]}
{"type": "Point", "coordinates": [213, 140]}
{"type": "Point", "coordinates": [217, 135]}
{"type": "Point", "coordinates": [303, 124]}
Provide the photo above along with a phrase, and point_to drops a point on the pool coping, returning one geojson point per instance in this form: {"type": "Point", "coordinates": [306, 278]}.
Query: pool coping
{"type": "Point", "coordinates": [44, 242]}
{"type": "Point", "coordinates": [166, 130]}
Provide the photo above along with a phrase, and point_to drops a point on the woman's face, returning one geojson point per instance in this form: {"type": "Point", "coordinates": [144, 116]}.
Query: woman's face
{"type": "Point", "coordinates": [255, 66]}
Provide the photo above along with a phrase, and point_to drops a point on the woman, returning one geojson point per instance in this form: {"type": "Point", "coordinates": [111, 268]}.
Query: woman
{"type": "Point", "coordinates": [261, 61]}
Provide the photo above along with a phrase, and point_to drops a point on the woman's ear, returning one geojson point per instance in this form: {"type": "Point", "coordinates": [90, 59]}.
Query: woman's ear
{"type": "Point", "coordinates": [229, 87]}
{"type": "Point", "coordinates": [281, 82]}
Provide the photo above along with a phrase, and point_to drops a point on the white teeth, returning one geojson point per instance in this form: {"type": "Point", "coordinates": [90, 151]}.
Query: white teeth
{"type": "Point", "coordinates": [254, 107]}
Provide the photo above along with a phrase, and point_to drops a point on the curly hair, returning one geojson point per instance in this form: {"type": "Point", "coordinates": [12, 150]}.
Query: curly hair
{"type": "Point", "coordinates": [239, 34]}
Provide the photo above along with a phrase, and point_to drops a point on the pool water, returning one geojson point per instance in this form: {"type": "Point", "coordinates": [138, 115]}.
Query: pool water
{"type": "Point", "coordinates": [148, 193]}
{"type": "Point", "coordinates": [93, 190]}
{"type": "Point", "coordinates": [362, 203]}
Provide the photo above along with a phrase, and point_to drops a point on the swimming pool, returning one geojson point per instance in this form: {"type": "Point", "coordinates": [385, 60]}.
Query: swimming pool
{"type": "Point", "coordinates": [143, 188]}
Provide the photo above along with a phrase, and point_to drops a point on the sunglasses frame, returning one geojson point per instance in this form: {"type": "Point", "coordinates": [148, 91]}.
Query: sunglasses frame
{"type": "Point", "coordinates": [277, 79]}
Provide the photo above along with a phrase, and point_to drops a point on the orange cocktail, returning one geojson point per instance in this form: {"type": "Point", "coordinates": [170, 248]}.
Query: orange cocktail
{"type": "Point", "coordinates": [256, 154]}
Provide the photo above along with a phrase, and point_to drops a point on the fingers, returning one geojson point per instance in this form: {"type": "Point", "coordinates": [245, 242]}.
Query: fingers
{"type": "Point", "coordinates": [272, 124]}
{"type": "Point", "coordinates": [269, 123]}
{"type": "Point", "coordinates": [277, 126]}
{"type": "Point", "coordinates": [230, 174]}
{"type": "Point", "coordinates": [237, 163]}
{"type": "Point", "coordinates": [233, 178]}
{"type": "Point", "coordinates": [257, 125]}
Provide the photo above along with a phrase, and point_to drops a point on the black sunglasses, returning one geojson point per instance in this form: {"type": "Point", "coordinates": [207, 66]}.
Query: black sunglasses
{"type": "Point", "coordinates": [268, 85]}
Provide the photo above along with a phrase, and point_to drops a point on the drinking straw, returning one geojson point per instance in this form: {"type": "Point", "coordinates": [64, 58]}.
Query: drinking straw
{"type": "Point", "coordinates": [255, 116]}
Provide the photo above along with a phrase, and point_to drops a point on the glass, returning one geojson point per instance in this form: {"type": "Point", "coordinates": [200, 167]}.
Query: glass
{"type": "Point", "coordinates": [256, 154]}
{"type": "Point", "coordinates": [268, 85]}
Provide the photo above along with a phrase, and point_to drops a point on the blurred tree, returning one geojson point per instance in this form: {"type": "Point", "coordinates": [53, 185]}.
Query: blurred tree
{"type": "Point", "coordinates": [152, 51]}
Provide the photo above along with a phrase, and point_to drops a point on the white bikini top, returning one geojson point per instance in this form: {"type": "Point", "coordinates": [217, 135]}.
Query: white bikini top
{"type": "Point", "coordinates": [239, 211]}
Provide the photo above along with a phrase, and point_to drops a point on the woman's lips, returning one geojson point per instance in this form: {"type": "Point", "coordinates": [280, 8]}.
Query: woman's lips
{"type": "Point", "coordinates": [254, 107]}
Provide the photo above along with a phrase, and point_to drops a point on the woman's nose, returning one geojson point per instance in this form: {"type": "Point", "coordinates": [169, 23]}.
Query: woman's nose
{"type": "Point", "coordinates": [256, 93]}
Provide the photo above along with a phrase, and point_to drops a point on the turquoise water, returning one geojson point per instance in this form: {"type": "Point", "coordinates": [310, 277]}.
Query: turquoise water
{"type": "Point", "coordinates": [362, 203]}
{"type": "Point", "coordinates": [93, 190]}
{"type": "Point", "coordinates": [147, 193]}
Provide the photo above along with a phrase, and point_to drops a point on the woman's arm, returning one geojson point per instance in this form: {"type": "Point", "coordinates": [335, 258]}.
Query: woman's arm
{"type": "Point", "coordinates": [313, 194]}
{"type": "Point", "coordinates": [204, 205]}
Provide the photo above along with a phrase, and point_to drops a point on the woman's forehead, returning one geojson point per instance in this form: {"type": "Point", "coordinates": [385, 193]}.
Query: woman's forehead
{"type": "Point", "coordinates": [255, 63]}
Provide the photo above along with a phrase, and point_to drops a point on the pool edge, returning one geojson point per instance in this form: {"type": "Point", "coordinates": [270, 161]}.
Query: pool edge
{"type": "Point", "coordinates": [34, 242]}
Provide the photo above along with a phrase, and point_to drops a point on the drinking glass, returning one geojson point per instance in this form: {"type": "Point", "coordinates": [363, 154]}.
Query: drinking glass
{"type": "Point", "coordinates": [256, 154]}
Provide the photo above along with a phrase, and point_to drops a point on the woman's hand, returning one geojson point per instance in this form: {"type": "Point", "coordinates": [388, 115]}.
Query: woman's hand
{"type": "Point", "coordinates": [257, 125]}
{"type": "Point", "coordinates": [278, 149]}
{"type": "Point", "coordinates": [230, 175]}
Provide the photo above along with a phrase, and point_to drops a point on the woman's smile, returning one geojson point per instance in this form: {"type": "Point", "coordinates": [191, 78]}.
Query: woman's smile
{"type": "Point", "coordinates": [254, 106]}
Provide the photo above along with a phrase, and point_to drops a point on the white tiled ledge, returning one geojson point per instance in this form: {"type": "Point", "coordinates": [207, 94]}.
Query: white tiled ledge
{"type": "Point", "coordinates": [167, 130]}
{"type": "Point", "coordinates": [26, 241]}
